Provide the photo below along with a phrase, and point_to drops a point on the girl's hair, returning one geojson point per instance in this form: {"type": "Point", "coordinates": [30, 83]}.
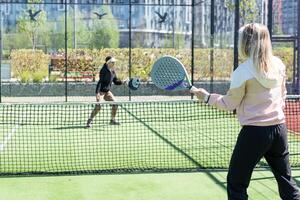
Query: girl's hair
{"type": "Point", "coordinates": [255, 43]}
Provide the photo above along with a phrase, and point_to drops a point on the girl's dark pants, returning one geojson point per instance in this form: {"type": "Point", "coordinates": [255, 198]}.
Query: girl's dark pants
{"type": "Point", "coordinates": [253, 143]}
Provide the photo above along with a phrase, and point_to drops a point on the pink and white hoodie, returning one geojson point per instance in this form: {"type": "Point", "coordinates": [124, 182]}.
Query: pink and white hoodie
{"type": "Point", "coordinates": [258, 101]}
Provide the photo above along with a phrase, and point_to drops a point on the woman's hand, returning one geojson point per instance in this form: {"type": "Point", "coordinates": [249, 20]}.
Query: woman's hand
{"type": "Point", "coordinates": [98, 96]}
{"type": "Point", "coordinates": [199, 92]}
{"type": "Point", "coordinates": [125, 81]}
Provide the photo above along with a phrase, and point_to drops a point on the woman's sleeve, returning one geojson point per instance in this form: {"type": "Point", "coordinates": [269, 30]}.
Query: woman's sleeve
{"type": "Point", "coordinates": [234, 95]}
{"type": "Point", "coordinates": [101, 78]}
{"type": "Point", "coordinates": [283, 90]}
{"type": "Point", "coordinates": [116, 80]}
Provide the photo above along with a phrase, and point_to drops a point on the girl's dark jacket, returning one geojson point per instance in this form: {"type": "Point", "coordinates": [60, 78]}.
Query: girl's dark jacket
{"type": "Point", "coordinates": [106, 78]}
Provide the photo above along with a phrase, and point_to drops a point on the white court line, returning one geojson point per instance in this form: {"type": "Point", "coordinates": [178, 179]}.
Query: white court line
{"type": "Point", "coordinates": [7, 138]}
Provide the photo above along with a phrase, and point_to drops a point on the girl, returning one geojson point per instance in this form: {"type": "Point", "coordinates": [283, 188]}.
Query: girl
{"type": "Point", "coordinates": [257, 92]}
{"type": "Point", "coordinates": [107, 76]}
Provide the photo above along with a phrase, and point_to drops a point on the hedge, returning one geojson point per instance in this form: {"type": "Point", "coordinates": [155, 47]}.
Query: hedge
{"type": "Point", "coordinates": [83, 60]}
{"type": "Point", "coordinates": [29, 65]}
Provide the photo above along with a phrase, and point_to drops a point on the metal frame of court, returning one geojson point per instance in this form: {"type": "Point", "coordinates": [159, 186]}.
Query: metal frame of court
{"type": "Point", "coordinates": [20, 120]}
{"type": "Point", "coordinates": [294, 39]}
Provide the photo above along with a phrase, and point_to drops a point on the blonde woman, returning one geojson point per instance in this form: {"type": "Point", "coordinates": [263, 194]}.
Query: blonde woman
{"type": "Point", "coordinates": [257, 92]}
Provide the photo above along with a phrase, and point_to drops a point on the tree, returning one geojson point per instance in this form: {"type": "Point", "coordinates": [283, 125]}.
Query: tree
{"type": "Point", "coordinates": [178, 40]}
{"type": "Point", "coordinates": [81, 32]}
{"type": "Point", "coordinates": [277, 30]}
{"type": "Point", "coordinates": [32, 22]}
{"type": "Point", "coordinates": [15, 41]}
{"type": "Point", "coordinates": [249, 11]}
{"type": "Point", "coordinates": [105, 33]}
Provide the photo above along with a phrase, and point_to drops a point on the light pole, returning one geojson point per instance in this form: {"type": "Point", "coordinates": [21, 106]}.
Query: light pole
{"type": "Point", "coordinates": [264, 12]}
{"type": "Point", "coordinates": [173, 25]}
{"type": "Point", "coordinates": [74, 24]}
{"type": "Point", "coordinates": [202, 26]}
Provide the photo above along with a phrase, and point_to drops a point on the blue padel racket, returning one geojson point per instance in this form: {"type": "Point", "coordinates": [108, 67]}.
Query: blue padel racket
{"type": "Point", "coordinates": [134, 83]}
{"type": "Point", "coordinates": [168, 73]}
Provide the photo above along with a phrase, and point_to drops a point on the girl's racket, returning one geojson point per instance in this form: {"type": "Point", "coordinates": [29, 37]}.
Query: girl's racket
{"type": "Point", "coordinates": [134, 83]}
{"type": "Point", "coordinates": [168, 73]}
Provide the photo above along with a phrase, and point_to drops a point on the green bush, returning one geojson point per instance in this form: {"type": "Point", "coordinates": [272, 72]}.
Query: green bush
{"type": "Point", "coordinates": [53, 78]}
{"type": "Point", "coordinates": [38, 77]}
{"type": "Point", "coordinates": [286, 55]}
{"type": "Point", "coordinates": [25, 77]}
{"type": "Point", "coordinates": [25, 63]}
{"type": "Point", "coordinates": [77, 61]}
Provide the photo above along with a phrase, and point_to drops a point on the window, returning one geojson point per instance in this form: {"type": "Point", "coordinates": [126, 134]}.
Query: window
{"type": "Point", "coordinates": [7, 9]}
{"type": "Point", "coordinates": [188, 14]}
{"type": "Point", "coordinates": [60, 5]}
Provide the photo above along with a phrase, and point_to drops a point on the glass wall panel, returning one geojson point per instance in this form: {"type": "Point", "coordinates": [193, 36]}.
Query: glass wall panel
{"type": "Point", "coordinates": [213, 44]}
{"type": "Point", "coordinates": [31, 33]}
{"type": "Point", "coordinates": [158, 31]}
{"type": "Point", "coordinates": [54, 49]}
{"type": "Point", "coordinates": [95, 32]}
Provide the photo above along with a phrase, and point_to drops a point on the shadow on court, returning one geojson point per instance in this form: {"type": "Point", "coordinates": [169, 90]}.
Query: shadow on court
{"type": "Point", "coordinates": [69, 127]}
{"type": "Point", "coordinates": [83, 127]}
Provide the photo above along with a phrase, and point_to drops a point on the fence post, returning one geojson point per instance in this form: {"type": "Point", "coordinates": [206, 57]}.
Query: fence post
{"type": "Point", "coordinates": [129, 46]}
{"type": "Point", "coordinates": [236, 34]}
{"type": "Point", "coordinates": [298, 51]}
{"type": "Point", "coordinates": [270, 17]}
{"type": "Point", "coordinates": [1, 53]}
{"type": "Point", "coordinates": [212, 41]}
{"type": "Point", "coordinates": [66, 51]}
{"type": "Point", "coordinates": [192, 43]}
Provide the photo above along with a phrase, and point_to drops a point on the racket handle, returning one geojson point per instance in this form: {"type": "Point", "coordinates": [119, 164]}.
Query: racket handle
{"type": "Point", "coordinates": [193, 88]}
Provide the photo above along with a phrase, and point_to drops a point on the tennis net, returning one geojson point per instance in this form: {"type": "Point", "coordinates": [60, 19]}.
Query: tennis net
{"type": "Point", "coordinates": [164, 136]}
